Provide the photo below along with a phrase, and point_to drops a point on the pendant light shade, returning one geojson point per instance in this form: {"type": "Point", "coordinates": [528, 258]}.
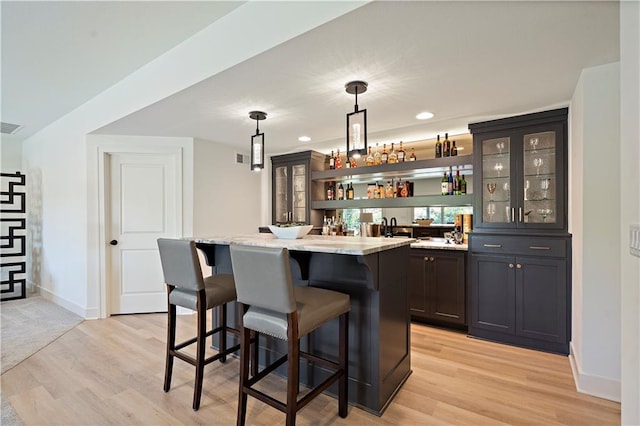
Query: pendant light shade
{"type": "Point", "coordinates": [257, 142]}
{"type": "Point", "coordinates": [356, 122]}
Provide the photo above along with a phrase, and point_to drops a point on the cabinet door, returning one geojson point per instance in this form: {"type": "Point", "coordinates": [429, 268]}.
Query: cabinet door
{"type": "Point", "coordinates": [446, 287]}
{"type": "Point", "coordinates": [417, 290]}
{"type": "Point", "coordinates": [280, 194]}
{"type": "Point", "coordinates": [492, 298]}
{"type": "Point", "coordinates": [541, 179]}
{"type": "Point", "coordinates": [541, 299]}
{"type": "Point", "coordinates": [299, 192]}
{"type": "Point", "coordinates": [496, 154]}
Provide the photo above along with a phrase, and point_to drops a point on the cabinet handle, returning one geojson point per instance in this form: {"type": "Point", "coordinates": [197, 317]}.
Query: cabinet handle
{"type": "Point", "coordinates": [539, 248]}
{"type": "Point", "coordinates": [431, 259]}
{"type": "Point", "coordinates": [493, 245]}
{"type": "Point", "coordinates": [519, 266]}
{"type": "Point", "coordinates": [513, 214]}
{"type": "Point", "coordinates": [511, 266]}
{"type": "Point", "coordinates": [520, 214]}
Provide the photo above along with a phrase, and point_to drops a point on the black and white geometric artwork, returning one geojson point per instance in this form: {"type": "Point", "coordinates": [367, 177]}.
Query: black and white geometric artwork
{"type": "Point", "coordinates": [13, 236]}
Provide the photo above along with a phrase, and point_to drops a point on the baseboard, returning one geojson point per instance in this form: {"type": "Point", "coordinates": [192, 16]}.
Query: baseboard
{"type": "Point", "coordinates": [601, 387]}
{"type": "Point", "coordinates": [68, 305]}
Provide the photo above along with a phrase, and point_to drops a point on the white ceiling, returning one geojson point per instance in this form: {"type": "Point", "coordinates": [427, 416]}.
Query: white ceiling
{"type": "Point", "coordinates": [463, 61]}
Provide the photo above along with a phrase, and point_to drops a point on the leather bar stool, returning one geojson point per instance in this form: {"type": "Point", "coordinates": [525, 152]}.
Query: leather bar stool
{"type": "Point", "coordinates": [187, 287]}
{"type": "Point", "coordinates": [272, 305]}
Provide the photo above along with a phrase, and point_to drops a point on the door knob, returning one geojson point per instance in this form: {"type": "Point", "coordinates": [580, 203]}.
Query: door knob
{"type": "Point", "coordinates": [113, 242]}
{"type": "Point", "coordinates": [511, 265]}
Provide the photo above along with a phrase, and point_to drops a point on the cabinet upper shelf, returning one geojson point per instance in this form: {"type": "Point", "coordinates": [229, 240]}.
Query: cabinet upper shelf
{"type": "Point", "coordinates": [418, 201]}
{"type": "Point", "coordinates": [420, 169]}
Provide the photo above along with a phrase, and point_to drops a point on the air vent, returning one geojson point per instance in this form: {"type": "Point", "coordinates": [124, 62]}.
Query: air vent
{"type": "Point", "coordinates": [241, 159]}
{"type": "Point", "coordinates": [8, 128]}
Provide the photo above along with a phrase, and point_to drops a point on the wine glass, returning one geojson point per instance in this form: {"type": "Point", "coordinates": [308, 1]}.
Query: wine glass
{"type": "Point", "coordinates": [526, 190]}
{"type": "Point", "coordinates": [500, 146]}
{"type": "Point", "coordinates": [505, 188]}
{"type": "Point", "coordinates": [491, 209]}
{"type": "Point", "coordinates": [491, 187]}
{"type": "Point", "coordinates": [544, 185]}
{"type": "Point", "coordinates": [498, 167]}
{"type": "Point", "coordinates": [534, 143]}
{"type": "Point", "coordinates": [544, 213]}
{"type": "Point", "coordinates": [537, 162]}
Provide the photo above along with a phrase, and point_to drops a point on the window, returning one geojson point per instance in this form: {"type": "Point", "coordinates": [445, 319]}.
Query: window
{"type": "Point", "coordinates": [352, 217]}
{"type": "Point", "coordinates": [442, 215]}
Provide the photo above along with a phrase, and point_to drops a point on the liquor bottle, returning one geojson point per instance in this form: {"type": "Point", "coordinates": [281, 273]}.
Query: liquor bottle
{"type": "Point", "coordinates": [340, 192]}
{"type": "Point", "coordinates": [404, 191]}
{"type": "Point", "coordinates": [450, 182]}
{"type": "Point", "coordinates": [384, 157]}
{"type": "Point", "coordinates": [350, 192]}
{"type": "Point", "coordinates": [446, 151]}
{"type": "Point", "coordinates": [438, 148]}
{"type": "Point", "coordinates": [445, 184]}
{"type": "Point", "coordinates": [370, 160]}
{"type": "Point", "coordinates": [377, 158]}
{"type": "Point", "coordinates": [388, 191]}
{"type": "Point", "coordinates": [354, 163]}
{"type": "Point", "coordinates": [330, 191]}
{"type": "Point", "coordinates": [338, 160]}
{"type": "Point", "coordinates": [463, 185]}
{"type": "Point", "coordinates": [347, 163]}
{"type": "Point", "coordinates": [402, 154]}
{"type": "Point", "coordinates": [393, 156]}
{"type": "Point", "coordinates": [412, 157]}
{"type": "Point", "coordinates": [456, 184]}
{"type": "Point", "coordinates": [332, 161]}
{"type": "Point", "coordinates": [454, 150]}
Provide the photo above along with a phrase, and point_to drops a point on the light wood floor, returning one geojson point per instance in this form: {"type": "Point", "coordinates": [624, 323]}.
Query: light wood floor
{"type": "Point", "coordinates": [110, 372]}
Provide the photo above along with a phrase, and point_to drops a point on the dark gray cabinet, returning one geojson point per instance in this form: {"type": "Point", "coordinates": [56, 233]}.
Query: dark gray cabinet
{"type": "Point", "coordinates": [437, 286]}
{"type": "Point", "coordinates": [520, 172]}
{"type": "Point", "coordinates": [292, 188]}
{"type": "Point", "coordinates": [519, 290]}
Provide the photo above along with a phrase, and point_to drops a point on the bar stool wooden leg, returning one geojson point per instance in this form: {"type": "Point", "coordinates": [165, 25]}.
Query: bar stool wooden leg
{"type": "Point", "coordinates": [171, 342]}
{"type": "Point", "coordinates": [293, 368]}
{"type": "Point", "coordinates": [245, 343]}
{"type": "Point", "coordinates": [343, 384]}
{"type": "Point", "coordinates": [254, 337]}
{"type": "Point", "coordinates": [222, 322]}
{"type": "Point", "coordinates": [200, 348]}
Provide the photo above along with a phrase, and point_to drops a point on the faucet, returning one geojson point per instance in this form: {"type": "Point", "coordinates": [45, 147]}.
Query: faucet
{"type": "Point", "coordinates": [385, 225]}
{"type": "Point", "coordinates": [394, 222]}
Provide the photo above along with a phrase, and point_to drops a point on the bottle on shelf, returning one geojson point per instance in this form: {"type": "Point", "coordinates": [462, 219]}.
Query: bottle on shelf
{"type": "Point", "coordinates": [338, 160]}
{"type": "Point", "coordinates": [354, 163]}
{"type": "Point", "coordinates": [438, 148]}
{"type": "Point", "coordinates": [388, 191]}
{"type": "Point", "coordinates": [350, 192]}
{"type": "Point", "coordinates": [347, 163]}
{"type": "Point", "coordinates": [404, 191]}
{"type": "Point", "coordinates": [331, 191]}
{"type": "Point", "coordinates": [402, 154]}
{"type": "Point", "coordinates": [325, 226]}
{"type": "Point", "coordinates": [377, 158]}
{"type": "Point", "coordinates": [446, 146]}
{"type": "Point", "coordinates": [340, 192]}
{"type": "Point", "coordinates": [393, 155]}
{"type": "Point", "coordinates": [445, 184]}
{"type": "Point", "coordinates": [384, 157]}
{"type": "Point", "coordinates": [370, 160]}
{"type": "Point", "coordinates": [413, 157]}
{"type": "Point", "coordinates": [463, 185]}
{"type": "Point", "coordinates": [450, 182]}
{"type": "Point", "coordinates": [332, 161]}
{"type": "Point", "coordinates": [456, 184]}
{"type": "Point", "coordinates": [454, 150]}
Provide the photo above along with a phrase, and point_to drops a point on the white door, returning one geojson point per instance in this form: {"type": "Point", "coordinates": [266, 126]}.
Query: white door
{"type": "Point", "coordinates": [145, 205]}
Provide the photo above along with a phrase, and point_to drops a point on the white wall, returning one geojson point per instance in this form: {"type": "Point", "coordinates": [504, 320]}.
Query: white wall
{"type": "Point", "coordinates": [10, 154]}
{"type": "Point", "coordinates": [56, 157]}
{"type": "Point", "coordinates": [594, 212]}
{"type": "Point", "coordinates": [227, 195]}
{"type": "Point", "coordinates": [630, 207]}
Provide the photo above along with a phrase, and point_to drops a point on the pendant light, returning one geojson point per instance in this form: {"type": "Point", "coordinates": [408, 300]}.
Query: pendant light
{"type": "Point", "coordinates": [257, 142]}
{"type": "Point", "coordinates": [356, 122]}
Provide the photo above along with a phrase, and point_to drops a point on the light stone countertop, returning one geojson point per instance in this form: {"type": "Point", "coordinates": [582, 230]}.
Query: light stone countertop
{"type": "Point", "coordinates": [314, 243]}
{"type": "Point", "coordinates": [439, 244]}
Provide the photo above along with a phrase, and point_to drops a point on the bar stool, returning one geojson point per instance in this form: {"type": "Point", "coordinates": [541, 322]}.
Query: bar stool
{"type": "Point", "coordinates": [273, 306]}
{"type": "Point", "coordinates": [187, 287]}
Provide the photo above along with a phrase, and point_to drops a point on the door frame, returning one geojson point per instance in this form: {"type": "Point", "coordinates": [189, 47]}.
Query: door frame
{"type": "Point", "coordinates": [100, 149]}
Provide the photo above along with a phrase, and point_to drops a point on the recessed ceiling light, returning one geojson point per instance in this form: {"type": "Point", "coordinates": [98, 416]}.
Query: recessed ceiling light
{"type": "Point", "coordinates": [304, 138]}
{"type": "Point", "coordinates": [424, 115]}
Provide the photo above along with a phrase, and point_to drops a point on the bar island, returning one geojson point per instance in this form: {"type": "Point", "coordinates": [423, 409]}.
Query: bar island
{"type": "Point", "coordinates": [373, 271]}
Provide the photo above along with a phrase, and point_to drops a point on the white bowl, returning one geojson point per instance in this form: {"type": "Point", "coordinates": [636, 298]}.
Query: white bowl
{"type": "Point", "coordinates": [290, 232]}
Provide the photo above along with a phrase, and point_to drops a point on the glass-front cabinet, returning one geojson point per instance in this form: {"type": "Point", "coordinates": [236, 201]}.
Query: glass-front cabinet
{"type": "Point", "coordinates": [292, 187]}
{"type": "Point", "coordinates": [523, 169]}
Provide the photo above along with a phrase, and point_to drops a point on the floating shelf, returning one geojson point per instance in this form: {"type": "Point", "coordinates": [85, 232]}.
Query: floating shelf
{"type": "Point", "coordinates": [418, 201]}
